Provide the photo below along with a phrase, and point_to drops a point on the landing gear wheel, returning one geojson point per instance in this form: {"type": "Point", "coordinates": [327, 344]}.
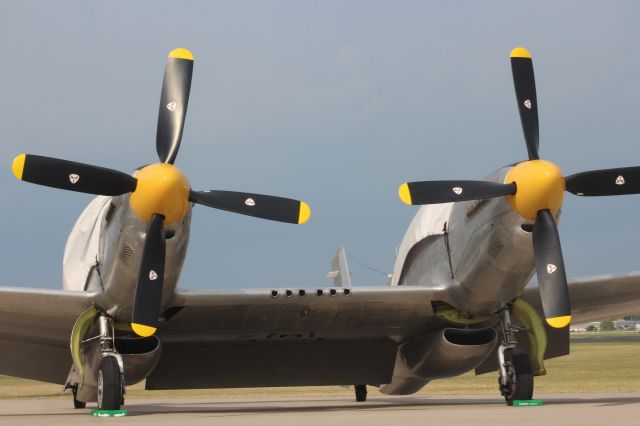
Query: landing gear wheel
{"type": "Point", "coordinates": [361, 392]}
{"type": "Point", "coordinates": [77, 404]}
{"type": "Point", "coordinates": [519, 376]}
{"type": "Point", "coordinates": [109, 384]}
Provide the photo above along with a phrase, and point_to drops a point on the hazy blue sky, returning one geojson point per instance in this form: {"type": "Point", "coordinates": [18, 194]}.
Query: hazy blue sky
{"type": "Point", "coordinates": [335, 103]}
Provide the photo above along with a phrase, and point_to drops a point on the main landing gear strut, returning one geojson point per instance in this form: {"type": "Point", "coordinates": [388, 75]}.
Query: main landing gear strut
{"type": "Point", "coordinates": [516, 378]}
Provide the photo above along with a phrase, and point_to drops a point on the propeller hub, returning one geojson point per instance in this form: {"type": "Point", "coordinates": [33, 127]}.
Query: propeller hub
{"type": "Point", "coordinates": [162, 189]}
{"type": "Point", "coordinates": [540, 185]}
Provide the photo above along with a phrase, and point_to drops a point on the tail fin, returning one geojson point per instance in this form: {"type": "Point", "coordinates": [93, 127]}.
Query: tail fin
{"type": "Point", "coordinates": [340, 269]}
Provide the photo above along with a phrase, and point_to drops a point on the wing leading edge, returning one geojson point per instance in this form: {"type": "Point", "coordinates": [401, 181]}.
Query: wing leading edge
{"type": "Point", "coordinates": [35, 328]}
{"type": "Point", "coordinates": [256, 338]}
{"type": "Point", "coordinates": [598, 298]}
{"type": "Point", "coordinates": [592, 299]}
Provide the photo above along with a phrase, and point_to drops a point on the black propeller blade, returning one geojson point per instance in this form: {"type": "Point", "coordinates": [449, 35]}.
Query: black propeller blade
{"type": "Point", "coordinates": [447, 191]}
{"type": "Point", "coordinates": [552, 278]}
{"type": "Point", "coordinates": [173, 104]}
{"type": "Point", "coordinates": [525, 85]}
{"type": "Point", "coordinates": [620, 181]}
{"type": "Point", "coordinates": [147, 302]}
{"type": "Point", "coordinates": [263, 206]}
{"type": "Point", "coordinates": [72, 176]}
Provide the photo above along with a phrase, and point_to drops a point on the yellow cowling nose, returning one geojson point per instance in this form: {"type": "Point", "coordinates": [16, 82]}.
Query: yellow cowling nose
{"type": "Point", "coordinates": [540, 185]}
{"type": "Point", "coordinates": [161, 189]}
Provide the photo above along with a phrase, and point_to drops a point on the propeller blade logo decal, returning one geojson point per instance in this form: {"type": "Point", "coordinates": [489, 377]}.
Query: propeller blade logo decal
{"type": "Point", "coordinates": [73, 178]}
{"type": "Point", "coordinates": [551, 268]}
{"type": "Point", "coordinates": [249, 202]}
{"type": "Point", "coordinates": [620, 180]}
{"type": "Point", "coordinates": [171, 106]}
{"type": "Point", "coordinates": [527, 104]}
{"type": "Point", "coordinates": [457, 190]}
{"type": "Point", "coordinates": [153, 275]}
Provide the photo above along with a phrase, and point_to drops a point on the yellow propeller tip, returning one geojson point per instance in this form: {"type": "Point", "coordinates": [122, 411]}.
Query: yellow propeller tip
{"type": "Point", "coordinates": [142, 330]}
{"type": "Point", "coordinates": [305, 213]}
{"type": "Point", "coordinates": [18, 165]}
{"type": "Point", "coordinates": [559, 322]}
{"type": "Point", "coordinates": [520, 52]}
{"type": "Point", "coordinates": [405, 194]}
{"type": "Point", "coordinates": [181, 53]}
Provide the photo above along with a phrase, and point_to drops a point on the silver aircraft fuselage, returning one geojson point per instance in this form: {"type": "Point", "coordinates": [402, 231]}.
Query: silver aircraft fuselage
{"type": "Point", "coordinates": [479, 253]}
{"type": "Point", "coordinates": [110, 265]}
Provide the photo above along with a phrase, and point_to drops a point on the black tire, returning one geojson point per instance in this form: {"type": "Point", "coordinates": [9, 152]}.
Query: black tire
{"type": "Point", "coordinates": [518, 368]}
{"type": "Point", "coordinates": [361, 392]}
{"type": "Point", "coordinates": [77, 404]}
{"type": "Point", "coordinates": [109, 384]}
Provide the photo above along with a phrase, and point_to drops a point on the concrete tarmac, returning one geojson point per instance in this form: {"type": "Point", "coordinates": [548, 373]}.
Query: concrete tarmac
{"type": "Point", "coordinates": [575, 409]}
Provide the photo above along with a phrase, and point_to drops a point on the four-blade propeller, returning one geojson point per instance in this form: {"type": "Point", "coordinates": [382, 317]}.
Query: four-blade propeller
{"type": "Point", "coordinates": [535, 189]}
{"type": "Point", "coordinates": [158, 193]}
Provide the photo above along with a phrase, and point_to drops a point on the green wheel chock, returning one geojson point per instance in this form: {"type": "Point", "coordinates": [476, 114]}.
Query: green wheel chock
{"type": "Point", "coordinates": [528, 403]}
{"type": "Point", "coordinates": [108, 413]}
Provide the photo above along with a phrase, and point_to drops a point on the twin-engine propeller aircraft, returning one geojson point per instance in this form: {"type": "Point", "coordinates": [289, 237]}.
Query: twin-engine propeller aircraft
{"type": "Point", "coordinates": [115, 262]}
{"type": "Point", "coordinates": [456, 301]}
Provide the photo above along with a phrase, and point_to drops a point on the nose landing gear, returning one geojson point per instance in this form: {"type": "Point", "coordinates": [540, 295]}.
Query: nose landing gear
{"type": "Point", "coordinates": [519, 378]}
{"type": "Point", "coordinates": [516, 377]}
{"type": "Point", "coordinates": [111, 387]}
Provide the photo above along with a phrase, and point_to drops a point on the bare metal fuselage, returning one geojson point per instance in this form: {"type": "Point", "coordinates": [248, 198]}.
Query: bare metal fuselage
{"type": "Point", "coordinates": [112, 263]}
{"type": "Point", "coordinates": [478, 252]}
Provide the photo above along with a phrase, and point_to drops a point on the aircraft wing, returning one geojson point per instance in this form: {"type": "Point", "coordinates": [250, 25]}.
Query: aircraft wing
{"type": "Point", "coordinates": [592, 299]}
{"type": "Point", "coordinates": [35, 329]}
{"type": "Point", "coordinates": [598, 298]}
{"type": "Point", "coordinates": [255, 338]}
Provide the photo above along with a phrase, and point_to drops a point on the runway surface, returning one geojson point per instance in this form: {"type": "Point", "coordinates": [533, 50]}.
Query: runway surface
{"type": "Point", "coordinates": [582, 409]}
{"type": "Point", "coordinates": [634, 338]}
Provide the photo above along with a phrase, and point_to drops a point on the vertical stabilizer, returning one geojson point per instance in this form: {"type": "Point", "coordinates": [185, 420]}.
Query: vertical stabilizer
{"type": "Point", "coordinates": [340, 269]}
